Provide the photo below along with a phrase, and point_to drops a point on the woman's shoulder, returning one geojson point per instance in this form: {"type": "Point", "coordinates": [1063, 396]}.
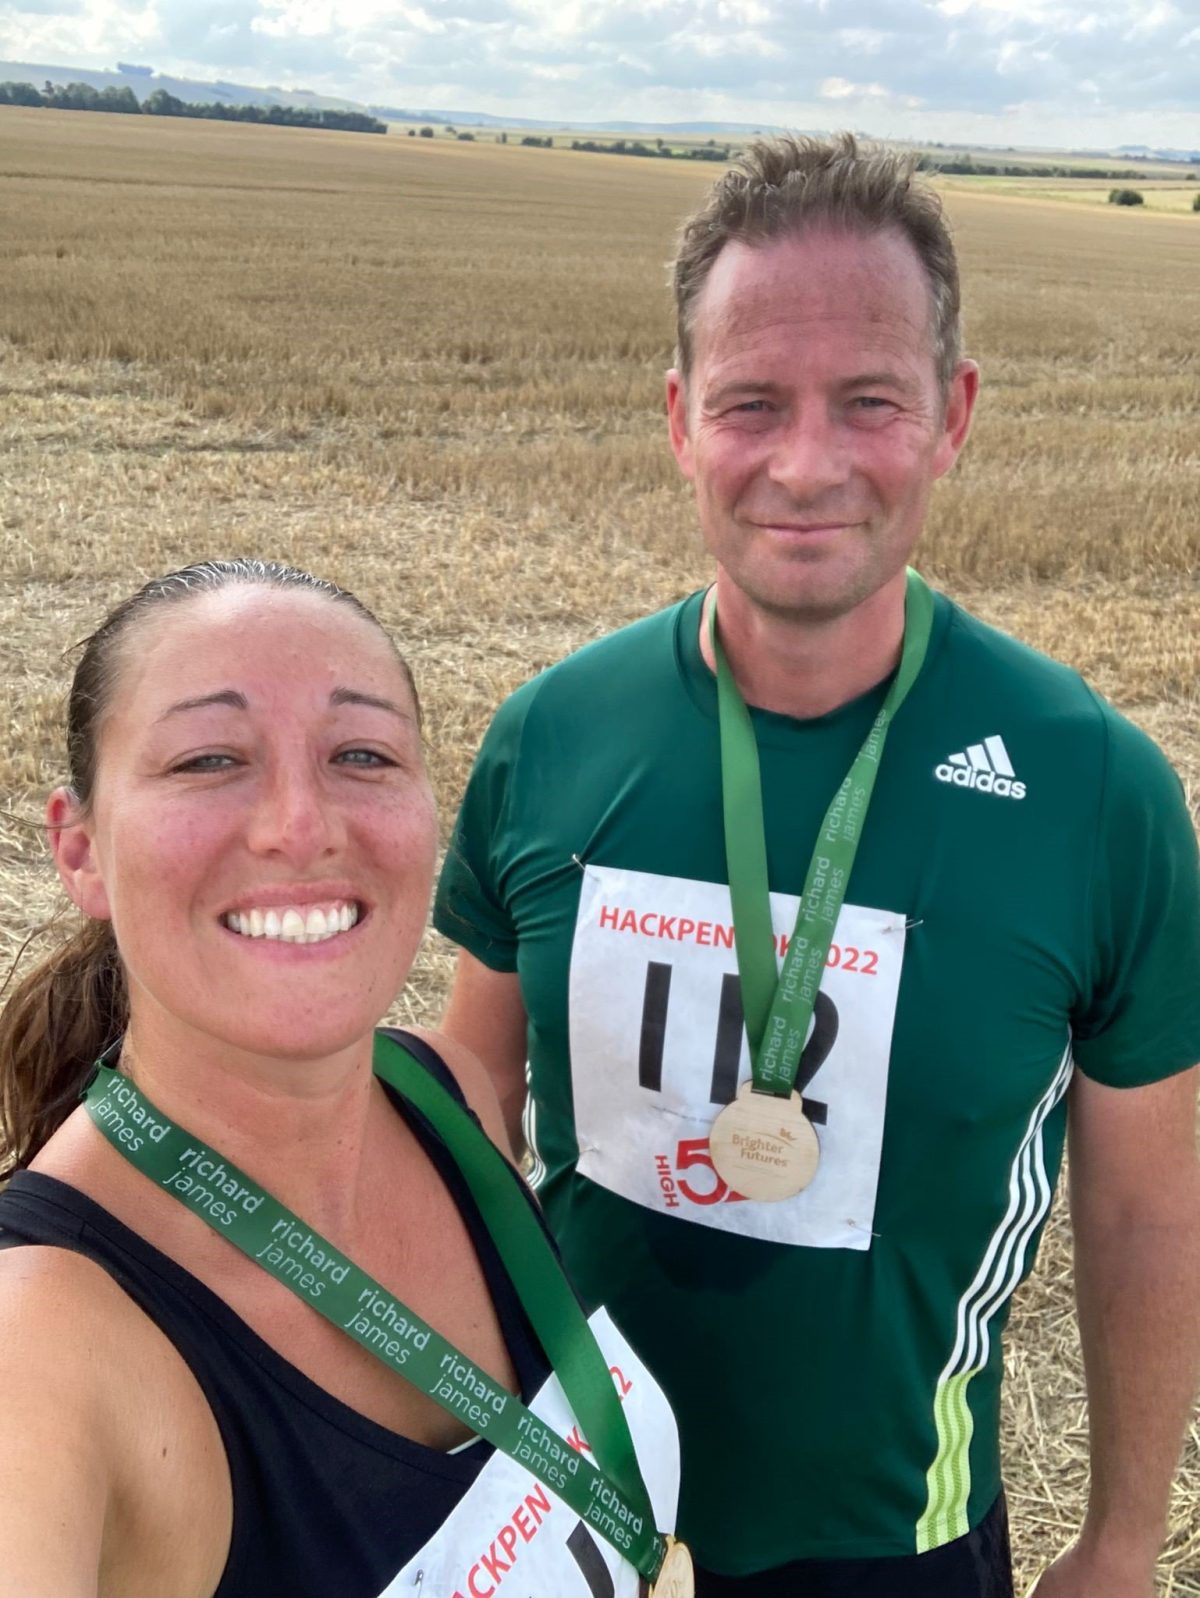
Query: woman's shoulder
{"type": "Point", "coordinates": [69, 1329]}
{"type": "Point", "coordinates": [49, 1294]}
{"type": "Point", "coordinates": [472, 1078]}
{"type": "Point", "coordinates": [100, 1417]}
{"type": "Point", "coordinates": [72, 1343]}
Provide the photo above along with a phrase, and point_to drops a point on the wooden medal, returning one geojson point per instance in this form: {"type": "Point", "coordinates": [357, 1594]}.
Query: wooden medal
{"type": "Point", "coordinates": [764, 1146]}
{"type": "Point", "coordinates": [676, 1579]}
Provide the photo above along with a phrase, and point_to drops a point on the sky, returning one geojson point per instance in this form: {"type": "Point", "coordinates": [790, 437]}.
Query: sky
{"type": "Point", "coordinates": [1052, 73]}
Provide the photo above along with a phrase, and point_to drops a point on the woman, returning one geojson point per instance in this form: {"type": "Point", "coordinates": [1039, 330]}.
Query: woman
{"type": "Point", "coordinates": [251, 834]}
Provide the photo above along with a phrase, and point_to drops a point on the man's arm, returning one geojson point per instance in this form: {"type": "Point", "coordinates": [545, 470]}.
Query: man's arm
{"type": "Point", "coordinates": [1135, 1211]}
{"type": "Point", "coordinates": [486, 1014]}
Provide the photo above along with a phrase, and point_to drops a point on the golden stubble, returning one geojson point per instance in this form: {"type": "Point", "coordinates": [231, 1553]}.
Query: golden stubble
{"type": "Point", "coordinates": [433, 372]}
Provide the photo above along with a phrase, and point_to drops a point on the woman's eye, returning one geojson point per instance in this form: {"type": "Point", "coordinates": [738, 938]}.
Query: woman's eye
{"type": "Point", "coordinates": [362, 757]}
{"type": "Point", "coordinates": [205, 763]}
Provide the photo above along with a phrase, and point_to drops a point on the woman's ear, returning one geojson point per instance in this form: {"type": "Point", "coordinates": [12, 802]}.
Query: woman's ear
{"type": "Point", "coordinates": [71, 844]}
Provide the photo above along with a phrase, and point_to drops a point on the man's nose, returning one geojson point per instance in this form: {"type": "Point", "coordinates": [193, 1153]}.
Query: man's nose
{"type": "Point", "coordinates": [809, 457]}
{"type": "Point", "coordinates": [294, 816]}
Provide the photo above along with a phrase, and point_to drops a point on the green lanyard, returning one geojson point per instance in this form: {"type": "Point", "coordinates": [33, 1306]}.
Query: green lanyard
{"type": "Point", "coordinates": [778, 1004]}
{"type": "Point", "coordinates": [611, 1496]}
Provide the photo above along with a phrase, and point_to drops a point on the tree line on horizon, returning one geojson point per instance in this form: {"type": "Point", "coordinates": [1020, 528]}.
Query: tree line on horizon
{"type": "Point", "coordinates": [123, 101]}
{"type": "Point", "coordinates": [967, 166]}
{"type": "Point", "coordinates": [711, 151]}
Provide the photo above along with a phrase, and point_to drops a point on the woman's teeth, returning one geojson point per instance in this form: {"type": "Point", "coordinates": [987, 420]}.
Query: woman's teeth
{"type": "Point", "coordinates": [294, 923]}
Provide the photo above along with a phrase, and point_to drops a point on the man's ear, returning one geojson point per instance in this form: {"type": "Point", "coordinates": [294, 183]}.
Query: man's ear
{"type": "Point", "coordinates": [71, 844]}
{"type": "Point", "coordinates": [956, 421]}
{"type": "Point", "coordinates": [677, 421]}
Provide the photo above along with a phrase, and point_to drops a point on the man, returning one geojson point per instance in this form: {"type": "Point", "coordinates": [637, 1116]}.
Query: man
{"type": "Point", "coordinates": [1016, 945]}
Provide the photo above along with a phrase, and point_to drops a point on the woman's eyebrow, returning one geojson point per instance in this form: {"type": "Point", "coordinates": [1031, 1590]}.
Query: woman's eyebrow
{"type": "Point", "coordinates": [225, 696]}
{"type": "Point", "coordinates": [238, 701]}
{"type": "Point", "coordinates": [352, 696]}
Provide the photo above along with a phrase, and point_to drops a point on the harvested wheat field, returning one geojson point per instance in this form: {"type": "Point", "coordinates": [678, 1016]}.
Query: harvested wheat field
{"type": "Point", "coordinates": [432, 371]}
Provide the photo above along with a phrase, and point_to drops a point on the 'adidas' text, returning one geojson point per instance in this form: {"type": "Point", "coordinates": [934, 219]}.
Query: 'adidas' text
{"type": "Point", "coordinates": [985, 767]}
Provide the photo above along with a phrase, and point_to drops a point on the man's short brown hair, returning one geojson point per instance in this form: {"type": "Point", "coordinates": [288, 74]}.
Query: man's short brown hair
{"type": "Point", "coordinates": [778, 187]}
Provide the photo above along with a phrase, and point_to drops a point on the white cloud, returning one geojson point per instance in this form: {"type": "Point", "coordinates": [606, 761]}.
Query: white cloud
{"type": "Point", "coordinates": [862, 41]}
{"type": "Point", "coordinates": [719, 46]}
{"type": "Point", "coordinates": [284, 19]}
{"type": "Point", "coordinates": [866, 93]}
{"type": "Point", "coordinates": [1157, 19]}
{"type": "Point", "coordinates": [1022, 10]}
{"type": "Point", "coordinates": [843, 89]}
{"type": "Point", "coordinates": [743, 13]}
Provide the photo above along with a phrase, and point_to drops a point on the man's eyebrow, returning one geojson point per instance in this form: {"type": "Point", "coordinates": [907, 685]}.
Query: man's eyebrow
{"type": "Point", "coordinates": [352, 696]}
{"type": "Point", "coordinates": [226, 696]}
{"type": "Point", "coordinates": [885, 378]}
{"type": "Point", "coordinates": [881, 379]}
{"type": "Point", "coordinates": [746, 390]}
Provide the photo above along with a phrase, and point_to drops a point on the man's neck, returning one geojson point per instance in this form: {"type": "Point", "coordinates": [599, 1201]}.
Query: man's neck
{"type": "Point", "coordinates": [803, 667]}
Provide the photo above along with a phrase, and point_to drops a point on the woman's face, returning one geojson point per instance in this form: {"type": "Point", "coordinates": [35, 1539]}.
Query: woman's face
{"type": "Point", "coordinates": [262, 832]}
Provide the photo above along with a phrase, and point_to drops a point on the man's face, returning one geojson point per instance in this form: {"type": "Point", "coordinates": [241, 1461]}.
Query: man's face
{"type": "Point", "coordinates": [812, 425]}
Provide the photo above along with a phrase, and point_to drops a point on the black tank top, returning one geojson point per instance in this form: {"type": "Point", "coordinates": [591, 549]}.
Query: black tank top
{"type": "Point", "coordinates": [326, 1503]}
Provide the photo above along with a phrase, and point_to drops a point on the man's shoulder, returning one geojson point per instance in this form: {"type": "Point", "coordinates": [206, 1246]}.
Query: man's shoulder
{"type": "Point", "coordinates": [992, 658]}
{"type": "Point", "coordinates": [1044, 695]}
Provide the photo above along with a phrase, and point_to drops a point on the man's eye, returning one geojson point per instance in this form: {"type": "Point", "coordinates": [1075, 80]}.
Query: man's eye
{"type": "Point", "coordinates": [871, 402]}
{"type": "Point", "coordinates": [751, 407]}
{"type": "Point", "coordinates": [362, 757]}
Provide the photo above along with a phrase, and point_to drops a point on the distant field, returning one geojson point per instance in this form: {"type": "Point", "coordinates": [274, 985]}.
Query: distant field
{"type": "Point", "coordinates": [1160, 195]}
{"type": "Point", "coordinates": [1141, 168]}
{"type": "Point", "coordinates": [432, 370]}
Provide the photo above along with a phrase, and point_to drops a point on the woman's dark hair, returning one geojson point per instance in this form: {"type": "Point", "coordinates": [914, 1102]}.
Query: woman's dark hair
{"type": "Point", "coordinates": [72, 1006]}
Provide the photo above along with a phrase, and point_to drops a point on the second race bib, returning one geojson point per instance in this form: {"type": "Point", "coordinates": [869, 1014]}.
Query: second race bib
{"type": "Point", "coordinates": [509, 1527]}
{"type": "Point", "coordinates": [658, 1046]}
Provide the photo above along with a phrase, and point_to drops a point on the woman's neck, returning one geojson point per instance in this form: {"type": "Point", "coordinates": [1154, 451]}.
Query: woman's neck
{"type": "Point", "coordinates": [802, 667]}
{"type": "Point", "coordinates": [299, 1128]}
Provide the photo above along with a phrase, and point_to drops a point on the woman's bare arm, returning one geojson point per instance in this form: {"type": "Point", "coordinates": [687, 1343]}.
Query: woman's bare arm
{"type": "Point", "coordinates": [108, 1483]}
{"type": "Point", "coordinates": [56, 1455]}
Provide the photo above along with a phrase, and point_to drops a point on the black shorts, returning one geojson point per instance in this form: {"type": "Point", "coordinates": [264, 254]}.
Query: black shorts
{"type": "Point", "coordinates": [978, 1565]}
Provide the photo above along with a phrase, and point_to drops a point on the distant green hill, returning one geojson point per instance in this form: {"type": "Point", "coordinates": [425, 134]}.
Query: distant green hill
{"type": "Point", "coordinates": [144, 81]}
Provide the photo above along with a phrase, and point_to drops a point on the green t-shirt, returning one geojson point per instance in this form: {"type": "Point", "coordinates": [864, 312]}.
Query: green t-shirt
{"type": "Point", "coordinates": [1026, 897]}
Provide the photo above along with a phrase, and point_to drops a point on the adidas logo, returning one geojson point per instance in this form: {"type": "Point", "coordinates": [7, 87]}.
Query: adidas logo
{"type": "Point", "coordinates": [984, 767]}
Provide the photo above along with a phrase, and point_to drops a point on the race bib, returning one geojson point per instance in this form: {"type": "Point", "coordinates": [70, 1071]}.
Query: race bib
{"type": "Point", "coordinates": [511, 1529]}
{"type": "Point", "coordinates": [658, 1046]}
